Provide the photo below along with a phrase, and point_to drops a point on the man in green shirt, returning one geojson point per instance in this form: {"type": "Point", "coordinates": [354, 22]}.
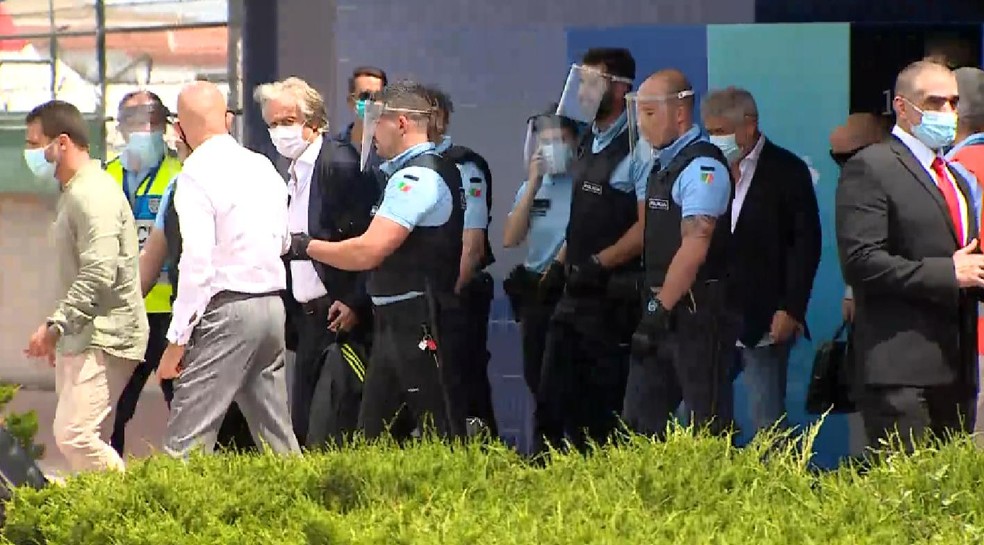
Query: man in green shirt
{"type": "Point", "coordinates": [99, 324]}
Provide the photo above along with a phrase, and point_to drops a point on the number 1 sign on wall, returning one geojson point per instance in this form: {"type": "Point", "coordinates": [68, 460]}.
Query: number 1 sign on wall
{"type": "Point", "coordinates": [887, 93]}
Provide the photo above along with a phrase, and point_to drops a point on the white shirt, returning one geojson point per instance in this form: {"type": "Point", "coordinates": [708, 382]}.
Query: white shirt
{"type": "Point", "coordinates": [746, 169]}
{"type": "Point", "coordinates": [926, 156]}
{"type": "Point", "coordinates": [306, 285]}
{"type": "Point", "coordinates": [233, 210]}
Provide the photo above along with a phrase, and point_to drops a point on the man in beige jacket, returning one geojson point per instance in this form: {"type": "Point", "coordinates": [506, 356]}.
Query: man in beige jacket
{"type": "Point", "coordinates": [99, 324]}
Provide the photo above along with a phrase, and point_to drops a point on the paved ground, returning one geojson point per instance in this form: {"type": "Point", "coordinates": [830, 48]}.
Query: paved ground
{"type": "Point", "coordinates": [143, 436]}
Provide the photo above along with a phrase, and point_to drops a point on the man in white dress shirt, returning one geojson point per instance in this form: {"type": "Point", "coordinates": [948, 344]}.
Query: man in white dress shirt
{"type": "Point", "coordinates": [226, 338]}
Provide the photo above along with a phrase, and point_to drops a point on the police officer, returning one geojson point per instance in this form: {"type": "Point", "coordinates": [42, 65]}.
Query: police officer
{"type": "Point", "coordinates": [684, 344]}
{"type": "Point", "coordinates": [539, 217]}
{"type": "Point", "coordinates": [586, 361]}
{"type": "Point", "coordinates": [412, 248]}
{"type": "Point", "coordinates": [474, 286]}
{"type": "Point", "coordinates": [144, 169]}
{"type": "Point", "coordinates": [364, 85]}
{"type": "Point", "coordinates": [161, 253]}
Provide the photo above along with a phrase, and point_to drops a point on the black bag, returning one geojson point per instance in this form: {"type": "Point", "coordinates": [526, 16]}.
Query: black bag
{"type": "Point", "coordinates": [833, 375]}
{"type": "Point", "coordinates": [17, 469]}
{"type": "Point", "coordinates": [337, 395]}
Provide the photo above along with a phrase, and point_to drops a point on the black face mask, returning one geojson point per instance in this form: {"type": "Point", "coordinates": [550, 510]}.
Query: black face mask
{"type": "Point", "coordinates": [606, 105]}
{"type": "Point", "coordinates": [841, 157]}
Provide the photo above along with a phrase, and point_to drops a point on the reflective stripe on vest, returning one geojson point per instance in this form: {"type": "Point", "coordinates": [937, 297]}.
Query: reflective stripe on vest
{"type": "Point", "coordinates": [146, 201]}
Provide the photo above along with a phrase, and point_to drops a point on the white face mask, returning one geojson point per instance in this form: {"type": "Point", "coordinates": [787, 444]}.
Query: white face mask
{"type": "Point", "coordinates": [289, 140]}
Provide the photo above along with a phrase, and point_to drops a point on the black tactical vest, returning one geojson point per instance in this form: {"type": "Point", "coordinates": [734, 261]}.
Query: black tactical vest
{"type": "Point", "coordinates": [430, 256]}
{"type": "Point", "coordinates": [600, 214]}
{"type": "Point", "coordinates": [461, 155]}
{"type": "Point", "coordinates": [663, 217]}
{"type": "Point", "coordinates": [172, 232]}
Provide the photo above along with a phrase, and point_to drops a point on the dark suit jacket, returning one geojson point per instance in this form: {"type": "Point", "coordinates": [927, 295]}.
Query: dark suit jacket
{"type": "Point", "coordinates": [913, 325]}
{"type": "Point", "coordinates": [776, 242]}
{"type": "Point", "coordinates": [339, 206]}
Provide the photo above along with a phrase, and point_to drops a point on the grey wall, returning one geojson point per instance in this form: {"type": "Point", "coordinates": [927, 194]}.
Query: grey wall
{"type": "Point", "coordinates": [500, 61]}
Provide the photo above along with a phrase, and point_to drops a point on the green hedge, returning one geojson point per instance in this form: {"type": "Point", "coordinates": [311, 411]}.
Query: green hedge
{"type": "Point", "coordinates": [686, 490]}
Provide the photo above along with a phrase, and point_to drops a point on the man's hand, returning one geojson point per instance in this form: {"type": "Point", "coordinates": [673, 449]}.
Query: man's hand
{"type": "Point", "coordinates": [969, 266]}
{"type": "Point", "coordinates": [298, 247]}
{"type": "Point", "coordinates": [847, 309]}
{"type": "Point", "coordinates": [341, 317]}
{"type": "Point", "coordinates": [536, 171]}
{"type": "Point", "coordinates": [170, 364]}
{"type": "Point", "coordinates": [589, 275]}
{"type": "Point", "coordinates": [653, 327]}
{"type": "Point", "coordinates": [551, 282]}
{"type": "Point", "coordinates": [784, 327]}
{"type": "Point", "coordinates": [42, 343]}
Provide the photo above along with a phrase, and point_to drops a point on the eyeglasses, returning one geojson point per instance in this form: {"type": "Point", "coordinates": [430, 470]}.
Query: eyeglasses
{"type": "Point", "coordinates": [364, 95]}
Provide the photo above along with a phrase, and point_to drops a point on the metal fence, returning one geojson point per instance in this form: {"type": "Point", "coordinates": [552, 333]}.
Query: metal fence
{"type": "Point", "coordinates": [93, 52]}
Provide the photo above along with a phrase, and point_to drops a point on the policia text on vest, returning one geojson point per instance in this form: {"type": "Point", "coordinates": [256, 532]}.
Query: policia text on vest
{"type": "Point", "coordinates": [145, 201]}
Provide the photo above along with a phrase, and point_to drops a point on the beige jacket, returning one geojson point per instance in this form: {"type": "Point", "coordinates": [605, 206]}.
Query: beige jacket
{"type": "Point", "coordinates": [96, 254]}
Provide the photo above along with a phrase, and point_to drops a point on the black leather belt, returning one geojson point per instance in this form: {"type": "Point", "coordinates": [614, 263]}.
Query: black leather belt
{"type": "Point", "coordinates": [315, 305]}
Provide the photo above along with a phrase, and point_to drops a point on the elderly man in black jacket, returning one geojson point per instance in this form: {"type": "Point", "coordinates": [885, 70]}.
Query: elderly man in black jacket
{"type": "Point", "coordinates": [330, 199]}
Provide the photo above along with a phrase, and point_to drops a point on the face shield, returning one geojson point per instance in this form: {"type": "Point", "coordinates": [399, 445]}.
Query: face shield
{"type": "Point", "coordinates": [584, 92]}
{"type": "Point", "coordinates": [650, 118]}
{"type": "Point", "coordinates": [545, 144]}
{"type": "Point", "coordinates": [142, 127]}
{"type": "Point", "coordinates": [374, 111]}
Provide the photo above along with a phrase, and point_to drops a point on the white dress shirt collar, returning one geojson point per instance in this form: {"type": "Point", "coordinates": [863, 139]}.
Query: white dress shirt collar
{"type": "Point", "coordinates": [921, 151]}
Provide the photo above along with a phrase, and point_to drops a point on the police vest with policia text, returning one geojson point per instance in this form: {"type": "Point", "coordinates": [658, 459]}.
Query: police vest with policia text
{"type": "Point", "coordinates": [145, 201]}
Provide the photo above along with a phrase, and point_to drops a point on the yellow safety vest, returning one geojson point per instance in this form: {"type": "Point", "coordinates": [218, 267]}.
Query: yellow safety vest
{"type": "Point", "coordinates": [145, 203]}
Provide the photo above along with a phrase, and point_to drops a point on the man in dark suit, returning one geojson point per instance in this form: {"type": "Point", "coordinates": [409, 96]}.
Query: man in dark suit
{"type": "Point", "coordinates": [775, 244]}
{"type": "Point", "coordinates": [908, 247]}
{"type": "Point", "coordinates": [330, 199]}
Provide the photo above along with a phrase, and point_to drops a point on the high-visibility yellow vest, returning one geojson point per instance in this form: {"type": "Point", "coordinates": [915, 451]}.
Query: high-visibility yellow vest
{"type": "Point", "coordinates": [145, 202]}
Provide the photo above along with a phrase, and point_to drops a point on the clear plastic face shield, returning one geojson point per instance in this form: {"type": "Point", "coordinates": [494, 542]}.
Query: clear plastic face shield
{"type": "Point", "coordinates": [142, 128]}
{"type": "Point", "coordinates": [584, 92]}
{"type": "Point", "coordinates": [547, 144]}
{"type": "Point", "coordinates": [374, 114]}
{"type": "Point", "coordinates": [651, 119]}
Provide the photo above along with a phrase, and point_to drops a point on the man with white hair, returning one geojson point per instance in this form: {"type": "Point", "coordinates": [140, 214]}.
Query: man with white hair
{"type": "Point", "coordinates": [775, 240]}
{"type": "Point", "coordinates": [330, 199]}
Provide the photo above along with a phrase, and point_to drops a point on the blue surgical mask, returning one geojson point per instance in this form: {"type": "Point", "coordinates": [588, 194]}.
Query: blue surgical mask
{"type": "Point", "coordinates": [557, 157]}
{"type": "Point", "coordinates": [360, 108]}
{"type": "Point", "coordinates": [43, 170]}
{"type": "Point", "coordinates": [143, 150]}
{"type": "Point", "coordinates": [728, 146]}
{"type": "Point", "coordinates": [937, 129]}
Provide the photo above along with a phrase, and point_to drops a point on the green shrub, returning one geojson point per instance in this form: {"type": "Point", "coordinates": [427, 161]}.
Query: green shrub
{"type": "Point", "coordinates": [697, 490]}
{"type": "Point", "coordinates": [23, 426]}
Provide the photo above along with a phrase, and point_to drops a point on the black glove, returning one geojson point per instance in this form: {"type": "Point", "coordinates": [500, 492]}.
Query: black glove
{"type": "Point", "coordinates": [298, 247]}
{"type": "Point", "coordinates": [551, 285]}
{"type": "Point", "coordinates": [586, 277]}
{"type": "Point", "coordinates": [653, 328]}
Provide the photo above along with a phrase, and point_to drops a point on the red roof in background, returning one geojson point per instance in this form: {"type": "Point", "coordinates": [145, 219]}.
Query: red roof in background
{"type": "Point", "coordinates": [192, 47]}
{"type": "Point", "coordinates": [8, 27]}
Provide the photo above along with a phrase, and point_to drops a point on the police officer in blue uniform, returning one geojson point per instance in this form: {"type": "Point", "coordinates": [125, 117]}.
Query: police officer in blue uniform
{"type": "Point", "coordinates": [474, 286]}
{"type": "Point", "coordinates": [539, 218]}
{"type": "Point", "coordinates": [412, 249]}
{"type": "Point", "coordinates": [586, 362]}
{"type": "Point", "coordinates": [683, 348]}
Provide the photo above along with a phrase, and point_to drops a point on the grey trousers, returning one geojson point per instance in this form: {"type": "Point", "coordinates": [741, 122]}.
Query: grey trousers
{"type": "Point", "coordinates": [236, 353]}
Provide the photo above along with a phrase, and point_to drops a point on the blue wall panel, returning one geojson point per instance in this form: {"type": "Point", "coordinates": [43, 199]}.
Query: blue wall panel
{"type": "Point", "coordinates": [654, 47]}
{"type": "Point", "coordinates": [799, 75]}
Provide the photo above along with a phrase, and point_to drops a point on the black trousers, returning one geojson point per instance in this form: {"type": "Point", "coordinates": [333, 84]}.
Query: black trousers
{"type": "Point", "coordinates": [471, 355]}
{"type": "Point", "coordinates": [313, 338]}
{"type": "Point", "coordinates": [127, 404]}
{"type": "Point", "coordinates": [405, 379]}
{"type": "Point", "coordinates": [692, 364]}
{"type": "Point", "coordinates": [585, 367]}
{"type": "Point", "coordinates": [916, 412]}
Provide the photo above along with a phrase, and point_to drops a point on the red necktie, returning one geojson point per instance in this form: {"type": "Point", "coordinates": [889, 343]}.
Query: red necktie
{"type": "Point", "coordinates": [949, 195]}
